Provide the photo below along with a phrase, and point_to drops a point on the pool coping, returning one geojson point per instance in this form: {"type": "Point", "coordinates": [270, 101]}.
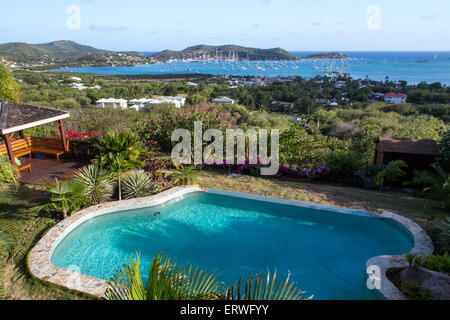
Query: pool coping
{"type": "Point", "coordinates": [39, 265]}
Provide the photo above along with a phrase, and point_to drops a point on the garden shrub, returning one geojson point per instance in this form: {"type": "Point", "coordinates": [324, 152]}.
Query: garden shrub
{"type": "Point", "coordinates": [345, 164]}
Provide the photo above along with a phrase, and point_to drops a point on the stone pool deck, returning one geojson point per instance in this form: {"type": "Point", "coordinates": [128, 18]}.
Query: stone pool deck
{"type": "Point", "coordinates": [40, 266]}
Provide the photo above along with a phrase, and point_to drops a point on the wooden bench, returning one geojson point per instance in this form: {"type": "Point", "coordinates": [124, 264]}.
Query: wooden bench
{"type": "Point", "coordinates": [51, 146]}
{"type": "Point", "coordinates": [30, 145]}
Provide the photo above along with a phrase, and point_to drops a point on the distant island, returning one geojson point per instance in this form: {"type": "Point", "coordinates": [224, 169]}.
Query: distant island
{"type": "Point", "coordinates": [69, 54]}
{"type": "Point", "coordinates": [236, 53]}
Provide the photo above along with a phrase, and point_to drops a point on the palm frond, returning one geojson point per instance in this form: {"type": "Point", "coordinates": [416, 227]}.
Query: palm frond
{"type": "Point", "coordinates": [166, 282]}
{"type": "Point", "coordinates": [262, 287]}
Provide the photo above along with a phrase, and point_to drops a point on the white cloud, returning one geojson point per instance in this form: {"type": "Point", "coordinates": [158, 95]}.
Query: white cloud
{"type": "Point", "coordinates": [100, 27]}
{"type": "Point", "coordinates": [428, 17]}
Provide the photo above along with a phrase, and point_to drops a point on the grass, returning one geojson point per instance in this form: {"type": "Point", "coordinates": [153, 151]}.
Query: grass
{"type": "Point", "coordinates": [17, 283]}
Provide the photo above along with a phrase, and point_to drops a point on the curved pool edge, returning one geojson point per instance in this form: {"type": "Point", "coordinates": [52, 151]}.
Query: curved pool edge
{"type": "Point", "coordinates": [423, 246]}
{"type": "Point", "coordinates": [40, 266]}
{"type": "Point", "coordinates": [38, 260]}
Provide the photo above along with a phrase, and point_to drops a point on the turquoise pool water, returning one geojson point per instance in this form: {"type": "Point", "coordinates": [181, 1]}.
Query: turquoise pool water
{"type": "Point", "coordinates": [325, 251]}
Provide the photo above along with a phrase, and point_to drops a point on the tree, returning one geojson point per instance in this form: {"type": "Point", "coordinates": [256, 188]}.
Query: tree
{"type": "Point", "coordinates": [305, 105]}
{"type": "Point", "coordinates": [436, 185]}
{"type": "Point", "coordinates": [123, 143]}
{"type": "Point", "coordinates": [118, 166]}
{"type": "Point", "coordinates": [65, 199]}
{"type": "Point", "coordinates": [392, 171]}
{"type": "Point", "coordinates": [184, 176]}
{"type": "Point", "coordinates": [9, 89]}
{"type": "Point", "coordinates": [195, 99]}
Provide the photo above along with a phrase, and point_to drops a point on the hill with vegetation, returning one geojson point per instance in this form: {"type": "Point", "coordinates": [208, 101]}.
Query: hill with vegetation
{"type": "Point", "coordinates": [328, 55]}
{"type": "Point", "coordinates": [66, 53]}
{"type": "Point", "coordinates": [227, 52]}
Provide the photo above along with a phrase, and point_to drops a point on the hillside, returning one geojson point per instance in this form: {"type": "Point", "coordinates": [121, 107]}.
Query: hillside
{"type": "Point", "coordinates": [227, 52]}
{"type": "Point", "coordinates": [66, 53]}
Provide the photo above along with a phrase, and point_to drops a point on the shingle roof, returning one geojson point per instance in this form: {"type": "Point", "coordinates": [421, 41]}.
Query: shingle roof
{"type": "Point", "coordinates": [409, 146]}
{"type": "Point", "coordinates": [23, 116]}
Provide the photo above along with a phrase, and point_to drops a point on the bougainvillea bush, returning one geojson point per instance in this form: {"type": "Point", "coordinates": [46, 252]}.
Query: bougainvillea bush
{"type": "Point", "coordinates": [82, 144]}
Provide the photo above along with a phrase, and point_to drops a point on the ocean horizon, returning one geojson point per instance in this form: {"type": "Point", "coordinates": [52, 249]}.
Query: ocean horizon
{"type": "Point", "coordinates": [411, 66]}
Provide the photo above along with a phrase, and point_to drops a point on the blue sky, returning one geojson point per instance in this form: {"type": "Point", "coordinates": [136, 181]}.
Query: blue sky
{"type": "Point", "coordinates": [296, 25]}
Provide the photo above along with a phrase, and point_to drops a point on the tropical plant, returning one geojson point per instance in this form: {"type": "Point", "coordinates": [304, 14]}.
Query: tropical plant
{"type": "Point", "coordinates": [118, 166]}
{"type": "Point", "coordinates": [263, 287]}
{"type": "Point", "coordinates": [123, 143]}
{"type": "Point", "coordinates": [444, 233]}
{"type": "Point", "coordinates": [414, 261]}
{"type": "Point", "coordinates": [436, 185]}
{"type": "Point", "coordinates": [438, 263]}
{"type": "Point", "coordinates": [137, 185]}
{"type": "Point", "coordinates": [184, 176]}
{"type": "Point", "coordinates": [8, 172]}
{"type": "Point", "coordinates": [65, 198]}
{"type": "Point", "coordinates": [415, 292]}
{"type": "Point", "coordinates": [167, 281]}
{"type": "Point", "coordinates": [8, 232]}
{"type": "Point", "coordinates": [95, 183]}
{"type": "Point", "coordinates": [390, 172]}
{"type": "Point", "coordinates": [9, 89]}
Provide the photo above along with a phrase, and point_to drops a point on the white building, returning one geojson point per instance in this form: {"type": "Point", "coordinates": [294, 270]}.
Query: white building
{"type": "Point", "coordinates": [112, 103]}
{"type": "Point", "coordinates": [395, 98]}
{"type": "Point", "coordinates": [177, 102]}
{"type": "Point", "coordinates": [223, 100]}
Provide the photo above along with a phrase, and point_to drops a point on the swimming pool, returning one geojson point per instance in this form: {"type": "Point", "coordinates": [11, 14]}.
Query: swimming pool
{"type": "Point", "coordinates": [325, 249]}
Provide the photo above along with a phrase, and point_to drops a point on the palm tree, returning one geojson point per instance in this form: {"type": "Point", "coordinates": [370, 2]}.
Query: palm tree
{"type": "Point", "coordinates": [167, 281]}
{"type": "Point", "coordinates": [8, 172]}
{"type": "Point", "coordinates": [437, 184]}
{"type": "Point", "coordinates": [8, 232]}
{"type": "Point", "coordinates": [118, 166]}
{"type": "Point", "coordinates": [137, 185]}
{"type": "Point", "coordinates": [65, 199]}
{"type": "Point", "coordinates": [122, 143]}
{"type": "Point", "coordinates": [9, 89]}
{"type": "Point", "coordinates": [95, 183]}
{"type": "Point", "coordinates": [184, 176]}
{"type": "Point", "coordinates": [392, 171]}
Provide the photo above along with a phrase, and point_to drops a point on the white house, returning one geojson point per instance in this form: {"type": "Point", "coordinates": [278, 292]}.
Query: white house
{"type": "Point", "coordinates": [223, 101]}
{"type": "Point", "coordinates": [112, 103]}
{"type": "Point", "coordinates": [178, 102]}
{"type": "Point", "coordinates": [395, 98]}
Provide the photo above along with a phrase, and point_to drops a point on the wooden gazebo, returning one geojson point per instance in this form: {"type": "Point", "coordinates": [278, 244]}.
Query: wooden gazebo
{"type": "Point", "coordinates": [15, 118]}
{"type": "Point", "coordinates": [417, 154]}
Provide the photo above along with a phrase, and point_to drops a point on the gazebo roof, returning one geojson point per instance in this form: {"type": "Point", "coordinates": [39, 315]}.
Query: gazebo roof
{"type": "Point", "coordinates": [408, 146]}
{"type": "Point", "coordinates": [16, 117]}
